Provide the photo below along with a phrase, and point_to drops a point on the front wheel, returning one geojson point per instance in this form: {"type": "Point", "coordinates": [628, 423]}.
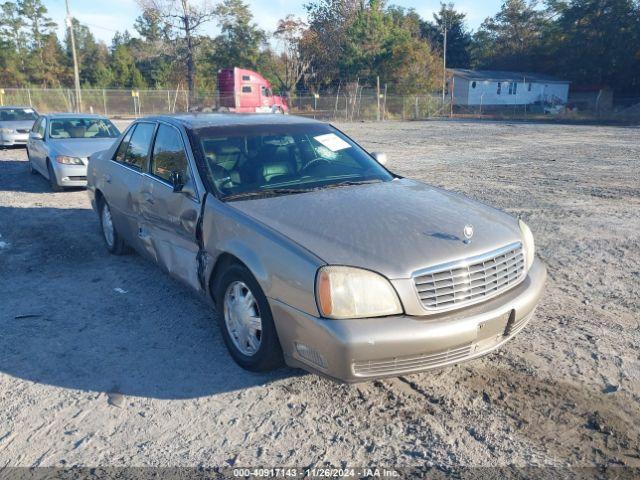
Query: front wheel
{"type": "Point", "coordinates": [246, 321]}
{"type": "Point", "coordinates": [52, 178]}
{"type": "Point", "coordinates": [32, 170]}
{"type": "Point", "coordinates": [112, 239]}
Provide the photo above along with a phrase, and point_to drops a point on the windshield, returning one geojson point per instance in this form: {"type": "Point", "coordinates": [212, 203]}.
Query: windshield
{"type": "Point", "coordinates": [281, 159]}
{"type": "Point", "coordinates": [17, 114]}
{"type": "Point", "coordinates": [82, 128]}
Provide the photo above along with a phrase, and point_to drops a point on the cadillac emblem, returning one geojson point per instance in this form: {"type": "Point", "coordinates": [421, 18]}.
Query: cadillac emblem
{"type": "Point", "coordinates": [468, 233]}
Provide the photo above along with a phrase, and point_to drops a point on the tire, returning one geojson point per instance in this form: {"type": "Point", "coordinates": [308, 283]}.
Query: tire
{"type": "Point", "coordinates": [232, 300]}
{"type": "Point", "coordinates": [113, 241]}
{"type": "Point", "coordinates": [52, 178]}
{"type": "Point", "coordinates": [32, 170]}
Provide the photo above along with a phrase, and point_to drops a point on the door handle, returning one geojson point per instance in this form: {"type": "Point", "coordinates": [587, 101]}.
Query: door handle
{"type": "Point", "coordinates": [107, 178]}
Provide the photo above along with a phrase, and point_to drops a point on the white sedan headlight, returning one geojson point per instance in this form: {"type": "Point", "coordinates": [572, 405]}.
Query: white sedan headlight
{"type": "Point", "coordinates": [63, 159]}
{"type": "Point", "coordinates": [7, 130]}
{"type": "Point", "coordinates": [347, 292]}
{"type": "Point", "coordinates": [528, 244]}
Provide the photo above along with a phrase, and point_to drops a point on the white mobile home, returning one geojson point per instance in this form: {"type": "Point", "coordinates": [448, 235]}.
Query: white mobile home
{"type": "Point", "coordinates": [498, 88]}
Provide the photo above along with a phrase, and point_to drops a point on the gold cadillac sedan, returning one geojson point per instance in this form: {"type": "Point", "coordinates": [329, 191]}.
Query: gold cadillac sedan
{"type": "Point", "coordinates": [312, 252]}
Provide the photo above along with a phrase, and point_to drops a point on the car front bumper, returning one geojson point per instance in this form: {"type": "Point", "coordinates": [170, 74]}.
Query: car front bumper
{"type": "Point", "coordinates": [363, 349]}
{"type": "Point", "coordinates": [71, 175]}
{"type": "Point", "coordinates": [11, 139]}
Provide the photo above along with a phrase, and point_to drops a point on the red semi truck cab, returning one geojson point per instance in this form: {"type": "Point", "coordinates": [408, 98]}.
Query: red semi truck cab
{"type": "Point", "coordinates": [245, 91]}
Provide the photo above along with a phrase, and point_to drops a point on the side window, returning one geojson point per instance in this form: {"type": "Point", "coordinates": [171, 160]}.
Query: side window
{"type": "Point", "coordinates": [36, 125]}
{"type": "Point", "coordinates": [122, 148]}
{"type": "Point", "coordinates": [246, 89]}
{"type": "Point", "coordinates": [139, 145]}
{"type": "Point", "coordinates": [169, 155]}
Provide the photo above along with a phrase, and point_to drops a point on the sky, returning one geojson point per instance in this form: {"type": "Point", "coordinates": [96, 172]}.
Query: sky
{"type": "Point", "coordinates": [105, 18]}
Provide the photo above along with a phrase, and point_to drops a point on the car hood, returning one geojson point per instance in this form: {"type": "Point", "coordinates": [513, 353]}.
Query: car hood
{"type": "Point", "coordinates": [18, 125]}
{"type": "Point", "coordinates": [81, 147]}
{"type": "Point", "coordinates": [394, 228]}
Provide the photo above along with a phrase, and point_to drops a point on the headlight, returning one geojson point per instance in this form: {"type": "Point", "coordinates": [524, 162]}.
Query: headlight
{"type": "Point", "coordinates": [529, 246]}
{"type": "Point", "coordinates": [69, 160]}
{"type": "Point", "coordinates": [347, 292]}
{"type": "Point", "coordinates": [7, 130]}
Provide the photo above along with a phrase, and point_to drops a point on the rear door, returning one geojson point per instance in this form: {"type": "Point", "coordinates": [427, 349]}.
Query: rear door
{"type": "Point", "coordinates": [122, 179]}
{"type": "Point", "coordinates": [168, 219]}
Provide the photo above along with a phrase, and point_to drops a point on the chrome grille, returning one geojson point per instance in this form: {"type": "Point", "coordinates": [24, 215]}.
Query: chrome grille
{"type": "Point", "coordinates": [471, 280]}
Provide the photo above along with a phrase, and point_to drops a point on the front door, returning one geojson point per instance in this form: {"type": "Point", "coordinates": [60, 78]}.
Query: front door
{"type": "Point", "coordinates": [167, 226]}
{"type": "Point", "coordinates": [36, 146]}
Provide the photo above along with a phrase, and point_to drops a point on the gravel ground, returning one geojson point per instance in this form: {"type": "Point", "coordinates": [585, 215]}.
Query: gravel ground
{"type": "Point", "coordinates": [106, 361]}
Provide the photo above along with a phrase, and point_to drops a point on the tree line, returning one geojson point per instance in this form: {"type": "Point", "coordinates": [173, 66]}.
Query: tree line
{"type": "Point", "coordinates": [340, 43]}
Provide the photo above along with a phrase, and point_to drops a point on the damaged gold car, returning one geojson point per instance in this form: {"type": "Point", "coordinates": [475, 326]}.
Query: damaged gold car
{"type": "Point", "coordinates": [313, 253]}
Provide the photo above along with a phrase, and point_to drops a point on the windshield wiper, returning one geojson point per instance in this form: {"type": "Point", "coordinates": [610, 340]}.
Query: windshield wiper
{"type": "Point", "coordinates": [271, 192]}
{"type": "Point", "coordinates": [348, 183]}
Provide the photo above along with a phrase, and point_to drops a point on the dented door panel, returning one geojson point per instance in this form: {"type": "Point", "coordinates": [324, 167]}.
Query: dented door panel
{"type": "Point", "coordinates": [167, 229]}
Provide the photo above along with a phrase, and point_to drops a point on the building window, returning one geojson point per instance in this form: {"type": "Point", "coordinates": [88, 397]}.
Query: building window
{"type": "Point", "coordinates": [246, 78]}
{"type": "Point", "coordinates": [473, 84]}
{"type": "Point", "coordinates": [529, 87]}
{"type": "Point", "coordinates": [246, 89]}
{"type": "Point", "coordinates": [515, 88]}
{"type": "Point", "coordinates": [499, 88]}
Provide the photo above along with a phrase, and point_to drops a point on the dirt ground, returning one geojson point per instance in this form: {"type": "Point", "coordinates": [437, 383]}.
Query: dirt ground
{"type": "Point", "coordinates": [106, 361]}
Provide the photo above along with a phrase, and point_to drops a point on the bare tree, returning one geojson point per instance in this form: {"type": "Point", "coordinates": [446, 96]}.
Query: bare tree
{"type": "Point", "coordinates": [296, 61]}
{"type": "Point", "coordinates": [184, 19]}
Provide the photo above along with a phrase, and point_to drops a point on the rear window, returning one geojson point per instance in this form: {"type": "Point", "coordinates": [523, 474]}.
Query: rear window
{"type": "Point", "coordinates": [17, 114]}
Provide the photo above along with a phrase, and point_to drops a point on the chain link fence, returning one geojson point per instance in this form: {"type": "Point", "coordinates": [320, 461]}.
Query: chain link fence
{"type": "Point", "coordinates": [361, 104]}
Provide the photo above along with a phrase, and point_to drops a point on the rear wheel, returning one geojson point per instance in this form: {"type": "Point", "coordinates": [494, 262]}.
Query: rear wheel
{"type": "Point", "coordinates": [52, 178]}
{"type": "Point", "coordinates": [112, 239]}
{"type": "Point", "coordinates": [246, 321]}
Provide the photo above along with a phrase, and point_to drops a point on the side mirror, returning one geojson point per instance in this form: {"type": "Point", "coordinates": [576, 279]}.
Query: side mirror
{"type": "Point", "coordinates": [177, 180]}
{"type": "Point", "coordinates": [380, 157]}
{"type": "Point", "coordinates": [35, 136]}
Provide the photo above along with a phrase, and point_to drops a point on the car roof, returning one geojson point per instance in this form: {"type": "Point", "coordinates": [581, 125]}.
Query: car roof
{"type": "Point", "coordinates": [72, 115]}
{"type": "Point", "coordinates": [203, 120]}
{"type": "Point", "coordinates": [9, 107]}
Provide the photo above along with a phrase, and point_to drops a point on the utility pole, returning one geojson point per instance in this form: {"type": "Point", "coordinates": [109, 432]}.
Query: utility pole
{"type": "Point", "coordinates": [378, 96]}
{"type": "Point", "coordinates": [76, 74]}
{"type": "Point", "coordinates": [444, 65]}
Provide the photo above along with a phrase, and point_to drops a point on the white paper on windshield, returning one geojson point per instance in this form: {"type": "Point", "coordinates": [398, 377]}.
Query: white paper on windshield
{"type": "Point", "coordinates": [332, 142]}
{"type": "Point", "coordinates": [28, 110]}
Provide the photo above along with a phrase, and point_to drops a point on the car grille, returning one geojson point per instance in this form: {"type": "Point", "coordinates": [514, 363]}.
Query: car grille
{"type": "Point", "coordinates": [22, 130]}
{"type": "Point", "coordinates": [471, 280]}
{"type": "Point", "coordinates": [398, 365]}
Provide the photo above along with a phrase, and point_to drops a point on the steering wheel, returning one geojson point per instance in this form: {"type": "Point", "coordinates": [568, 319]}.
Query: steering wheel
{"type": "Point", "coordinates": [316, 161]}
